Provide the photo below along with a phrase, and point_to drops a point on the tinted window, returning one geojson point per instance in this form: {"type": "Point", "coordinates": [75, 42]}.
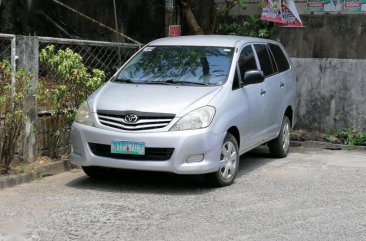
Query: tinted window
{"type": "Point", "coordinates": [280, 57]}
{"type": "Point", "coordinates": [247, 60]}
{"type": "Point", "coordinates": [265, 59]}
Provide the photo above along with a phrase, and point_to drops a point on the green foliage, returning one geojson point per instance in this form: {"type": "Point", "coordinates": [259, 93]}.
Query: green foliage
{"type": "Point", "coordinates": [251, 26]}
{"type": "Point", "coordinates": [67, 85]}
{"type": "Point", "coordinates": [351, 136]}
{"type": "Point", "coordinates": [240, 3]}
{"type": "Point", "coordinates": [12, 116]}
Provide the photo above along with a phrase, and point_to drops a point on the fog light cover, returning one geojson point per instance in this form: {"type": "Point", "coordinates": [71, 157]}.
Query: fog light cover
{"type": "Point", "coordinates": [195, 158]}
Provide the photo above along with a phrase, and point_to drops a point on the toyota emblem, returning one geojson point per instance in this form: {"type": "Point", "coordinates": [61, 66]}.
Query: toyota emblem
{"type": "Point", "coordinates": [131, 118]}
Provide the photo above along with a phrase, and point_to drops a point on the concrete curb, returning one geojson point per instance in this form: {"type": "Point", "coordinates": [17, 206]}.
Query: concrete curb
{"type": "Point", "coordinates": [48, 169]}
{"type": "Point", "coordinates": [326, 145]}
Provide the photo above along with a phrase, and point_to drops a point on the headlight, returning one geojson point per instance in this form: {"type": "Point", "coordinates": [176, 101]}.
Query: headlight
{"type": "Point", "coordinates": [83, 115]}
{"type": "Point", "coordinates": [197, 119]}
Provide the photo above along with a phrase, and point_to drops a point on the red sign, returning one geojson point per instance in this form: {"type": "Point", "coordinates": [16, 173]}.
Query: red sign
{"type": "Point", "coordinates": [175, 30]}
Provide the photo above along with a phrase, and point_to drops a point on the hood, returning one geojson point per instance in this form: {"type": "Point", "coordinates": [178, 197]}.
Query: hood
{"type": "Point", "coordinates": [176, 100]}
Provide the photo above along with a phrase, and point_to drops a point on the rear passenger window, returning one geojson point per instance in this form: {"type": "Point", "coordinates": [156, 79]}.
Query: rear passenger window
{"type": "Point", "coordinates": [280, 57]}
{"type": "Point", "coordinates": [264, 57]}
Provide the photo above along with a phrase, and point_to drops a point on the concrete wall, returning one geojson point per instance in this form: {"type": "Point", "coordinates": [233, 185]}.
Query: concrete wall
{"type": "Point", "coordinates": [326, 36]}
{"type": "Point", "coordinates": [332, 93]}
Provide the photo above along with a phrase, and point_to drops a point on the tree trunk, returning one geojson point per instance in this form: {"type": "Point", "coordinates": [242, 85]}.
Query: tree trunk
{"type": "Point", "coordinates": [190, 18]}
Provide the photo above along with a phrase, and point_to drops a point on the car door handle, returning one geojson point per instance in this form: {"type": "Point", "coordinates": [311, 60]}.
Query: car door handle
{"type": "Point", "coordinates": [263, 92]}
{"type": "Point", "coordinates": [282, 84]}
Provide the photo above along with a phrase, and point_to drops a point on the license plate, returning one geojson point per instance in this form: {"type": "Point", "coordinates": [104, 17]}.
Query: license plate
{"type": "Point", "coordinates": [128, 147]}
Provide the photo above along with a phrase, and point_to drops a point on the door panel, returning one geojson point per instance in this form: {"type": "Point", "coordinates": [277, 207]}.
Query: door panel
{"type": "Point", "coordinates": [269, 68]}
{"type": "Point", "coordinates": [254, 99]}
{"type": "Point", "coordinates": [275, 95]}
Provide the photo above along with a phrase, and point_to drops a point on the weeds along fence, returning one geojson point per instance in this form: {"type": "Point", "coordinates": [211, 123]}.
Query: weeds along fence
{"type": "Point", "coordinates": [7, 51]}
{"type": "Point", "coordinates": [105, 56]}
{"type": "Point", "coordinates": [23, 52]}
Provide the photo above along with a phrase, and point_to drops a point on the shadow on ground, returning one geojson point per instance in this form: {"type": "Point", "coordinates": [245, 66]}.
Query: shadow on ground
{"type": "Point", "coordinates": [253, 160]}
{"type": "Point", "coordinates": [159, 182]}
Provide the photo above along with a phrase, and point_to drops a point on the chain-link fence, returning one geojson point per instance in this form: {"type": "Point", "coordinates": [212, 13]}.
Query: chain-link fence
{"type": "Point", "coordinates": [6, 46]}
{"type": "Point", "coordinates": [106, 56]}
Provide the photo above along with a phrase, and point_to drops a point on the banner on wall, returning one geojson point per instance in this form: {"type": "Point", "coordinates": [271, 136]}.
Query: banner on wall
{"type": "Point", "coordinates": [281, 12]}
{"type": "Point", "coordinates": [315, 5]}
{"type": "Point", "coordinates": [355, 5]}
{"type": "Point", "coordinates": [333, 5]}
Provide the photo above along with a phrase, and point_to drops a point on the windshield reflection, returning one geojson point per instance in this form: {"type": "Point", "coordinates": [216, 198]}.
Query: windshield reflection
{"type": "Point", "coordinates": [188, 65]}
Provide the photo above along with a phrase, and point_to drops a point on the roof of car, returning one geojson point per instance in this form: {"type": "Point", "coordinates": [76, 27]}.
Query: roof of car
{"type": "Point", "coordinates": [206, 40]}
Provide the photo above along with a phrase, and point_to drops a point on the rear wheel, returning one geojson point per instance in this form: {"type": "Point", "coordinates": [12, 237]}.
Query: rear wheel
{"type": "Point", "coordinates": [229, 163]}
{"type": "Point", "coordinates": [280, 146]}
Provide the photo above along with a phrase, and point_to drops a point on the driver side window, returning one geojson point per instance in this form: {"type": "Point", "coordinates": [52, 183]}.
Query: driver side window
{"type": "Point", "coordinates": [247, 60]}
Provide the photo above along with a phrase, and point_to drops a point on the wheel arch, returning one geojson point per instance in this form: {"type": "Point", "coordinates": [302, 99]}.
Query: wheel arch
{"type": "Point", "coordinates": [290, 114]}
{"type": "Point", "coordinates": [235, 132]}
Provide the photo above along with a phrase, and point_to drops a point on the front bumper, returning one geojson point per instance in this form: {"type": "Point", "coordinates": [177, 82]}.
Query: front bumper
{"type": "Point", "coordinates": [185, 144]}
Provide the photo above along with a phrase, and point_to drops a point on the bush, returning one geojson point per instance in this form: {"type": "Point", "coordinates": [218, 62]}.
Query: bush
{"type": "Point", "coordinates": [12, 116]}
{"type": "Point", "coordinates": [350, 136]}
{"type": "Point", "coordinates": [67, 85]}
{"type": "Point", "coordinates": [250, 26]}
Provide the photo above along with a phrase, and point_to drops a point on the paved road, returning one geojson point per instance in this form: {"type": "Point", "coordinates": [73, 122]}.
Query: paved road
{"type": "Point", "coordinates": [311, 195]}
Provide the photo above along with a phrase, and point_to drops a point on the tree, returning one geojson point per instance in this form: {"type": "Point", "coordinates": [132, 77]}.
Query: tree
{"type": "Point", "coordinates": [190, 18]}
{"type": "Point", "coordinates": [220, 20]}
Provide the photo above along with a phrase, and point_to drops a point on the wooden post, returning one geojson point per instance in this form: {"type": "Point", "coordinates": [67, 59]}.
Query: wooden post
{"type": "Point", "coordinates": [27, 52]}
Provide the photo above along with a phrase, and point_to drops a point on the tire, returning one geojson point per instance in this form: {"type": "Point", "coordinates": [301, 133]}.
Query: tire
{"type": "Point", "coordinates": [280, 146]}
{"type": "Point", "coordinates": [229, 164]}
{"type": "Point", "coordinates": [94, 172]}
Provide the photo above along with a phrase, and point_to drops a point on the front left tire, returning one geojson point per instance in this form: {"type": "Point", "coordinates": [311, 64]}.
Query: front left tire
{"type": "Point", "coordinates": [229, 163]}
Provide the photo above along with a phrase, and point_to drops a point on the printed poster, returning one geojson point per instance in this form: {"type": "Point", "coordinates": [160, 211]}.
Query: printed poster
{"type": "Point", "coordinates": [355, 5]}
{"type": "Point", "coordinates": [333, 5]}
{"type": "Point", "coordinates": [281, 12]}
{"type": "Point", "coordinates": [315, 5]}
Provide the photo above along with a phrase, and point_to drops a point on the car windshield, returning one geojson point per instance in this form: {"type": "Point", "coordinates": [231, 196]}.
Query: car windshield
{"type": "Point", "coordinates": [178, 65]}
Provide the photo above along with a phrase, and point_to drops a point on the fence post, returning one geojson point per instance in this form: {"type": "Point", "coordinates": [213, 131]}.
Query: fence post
{"type": "Point", "coordinates": [27, 52]}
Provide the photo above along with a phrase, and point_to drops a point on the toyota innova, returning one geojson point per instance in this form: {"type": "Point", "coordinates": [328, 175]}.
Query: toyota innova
{"type": "Point", "coordinates": [189, 105]}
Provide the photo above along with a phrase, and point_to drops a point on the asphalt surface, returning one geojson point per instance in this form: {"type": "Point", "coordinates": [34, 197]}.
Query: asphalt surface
{"type": "Point", "coordinates": [310, 195]}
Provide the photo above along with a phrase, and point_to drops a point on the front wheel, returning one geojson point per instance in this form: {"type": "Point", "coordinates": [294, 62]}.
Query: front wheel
{"type": "Point", "coordinates": [280, 146]}
{"type": "Point", "coordinates": [229, 163]}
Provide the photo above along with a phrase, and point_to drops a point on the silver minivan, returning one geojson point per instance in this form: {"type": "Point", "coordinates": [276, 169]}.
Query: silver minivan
{"type": "Point", "coordinates": [189, 105]}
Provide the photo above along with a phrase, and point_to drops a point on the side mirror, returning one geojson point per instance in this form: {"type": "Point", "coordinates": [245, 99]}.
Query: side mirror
{"type": "Point", "coordinates": [253, 77]}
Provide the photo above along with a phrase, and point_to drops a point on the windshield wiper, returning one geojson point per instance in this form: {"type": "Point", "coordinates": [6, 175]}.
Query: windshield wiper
{"type": "Point", "coordinates": [174, 82]}
{"type": "Point", "coordinates": [194, 83]}
{"type": "Point", "coordinates": [162, 82]}
{"type": "Point", "coordinates": [129, 81]}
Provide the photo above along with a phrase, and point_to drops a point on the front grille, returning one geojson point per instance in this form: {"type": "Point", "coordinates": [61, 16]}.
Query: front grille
{"type": "Point", "coordinates": [151, 154]}
{"type": "Point", "coordinates": [146, 121]}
